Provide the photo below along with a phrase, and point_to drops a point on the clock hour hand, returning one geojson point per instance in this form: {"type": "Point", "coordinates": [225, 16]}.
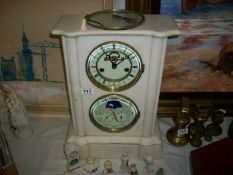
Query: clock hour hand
{"type": "Point", "coordinates": [112, 60]}
{"type": "Point", "coordinates": [114, 65]}
{"type": "Point", "coordinates": [106, 118]}
{"type": "Point", "coordinates": [122, 59]}
{"type": "Point", "coordinates": [113, 57]}
{"type": "Point", "coordinates": [115, 117]}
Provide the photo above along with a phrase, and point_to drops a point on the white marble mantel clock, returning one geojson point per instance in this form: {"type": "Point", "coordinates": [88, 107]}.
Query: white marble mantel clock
{"type": "Point", "coordinates": [113, 79]}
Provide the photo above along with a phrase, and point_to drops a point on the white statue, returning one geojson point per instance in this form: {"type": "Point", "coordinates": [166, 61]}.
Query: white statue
{"type": "Point", "coordinates": [124, 162]}
{"type": "Point", "coordinates": [18, 117]}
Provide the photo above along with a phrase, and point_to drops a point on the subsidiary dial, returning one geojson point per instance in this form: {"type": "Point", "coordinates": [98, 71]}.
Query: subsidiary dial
{"type": "Point", "coordinates": [114, 113]}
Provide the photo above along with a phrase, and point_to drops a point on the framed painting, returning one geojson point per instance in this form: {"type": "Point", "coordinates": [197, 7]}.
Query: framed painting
{"type": "Point", "coordinates": [198, 63]}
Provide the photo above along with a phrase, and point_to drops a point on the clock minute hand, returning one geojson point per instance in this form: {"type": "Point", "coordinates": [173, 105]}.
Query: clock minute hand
{"type": "Point", "coordinates": [114, 115]}
{"type": "Point", "coordinates": [122, 59]}
{"type": "Point", "coordinates": [114, 64]}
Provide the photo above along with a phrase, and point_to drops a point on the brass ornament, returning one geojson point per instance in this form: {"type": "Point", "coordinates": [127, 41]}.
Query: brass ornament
{"type": "Point", "coordinates": [178, 134]}
{"type": "Point", "coordinates": [197, 129]}
{"type": "Point", "coordinates": [214, 128]}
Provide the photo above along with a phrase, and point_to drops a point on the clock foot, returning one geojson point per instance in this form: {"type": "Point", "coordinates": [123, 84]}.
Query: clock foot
{"type": "Point", "coordinates": [72, 156]}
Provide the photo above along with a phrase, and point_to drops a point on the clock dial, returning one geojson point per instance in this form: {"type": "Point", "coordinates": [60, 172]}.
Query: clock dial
{"type": "Point", "coordinates": [114, 66]}
{"type": "Point", "coordinates": [114, 113]}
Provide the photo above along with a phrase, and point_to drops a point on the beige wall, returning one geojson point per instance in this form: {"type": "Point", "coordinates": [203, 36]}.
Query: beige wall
{"type": "Point", "coordinates": [38, 18]}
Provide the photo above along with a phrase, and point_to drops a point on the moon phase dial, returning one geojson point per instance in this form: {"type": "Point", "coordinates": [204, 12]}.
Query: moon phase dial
{"type": "Point", "coordinates": [114, 113]}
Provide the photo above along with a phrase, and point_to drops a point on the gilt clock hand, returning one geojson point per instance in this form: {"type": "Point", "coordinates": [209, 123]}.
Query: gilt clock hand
{"type": "Point", "coordinates": [122, 59]}
{"type": "Point", "coordinates": [113, 57]}
{"type": "Point", "coordinates": [114, 115]}
{"type": "Point", "coordinates": [114, 65]}
{"type": "Point", "coordinates": [107, 117]}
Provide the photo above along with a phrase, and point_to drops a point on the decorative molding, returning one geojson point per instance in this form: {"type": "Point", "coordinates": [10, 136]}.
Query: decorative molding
{"type": "Point", "coordinates": [167, 107]}
{"type": "Point", "coordinates": [48, 110]}
{"type": "Point", "coordinates": [170, 103]}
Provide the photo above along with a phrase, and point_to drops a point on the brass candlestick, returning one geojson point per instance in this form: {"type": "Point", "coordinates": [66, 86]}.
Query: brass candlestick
{"type": "Point", "coordinates": [214, 129]}
{"type": "Point", "coordinates": [178, 135]}
{"type": "Point", "coordinates": [197, 129]}
{"type": "Point", "coordinates": [230, 131]}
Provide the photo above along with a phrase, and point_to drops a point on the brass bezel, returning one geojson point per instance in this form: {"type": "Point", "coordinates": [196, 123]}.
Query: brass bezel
{"type": "Point", "coordinates": [112, 88]}
{"type": "Point", "coordinates": [102, 26]}
{"type": "Point", "coordinates": [114, 130]}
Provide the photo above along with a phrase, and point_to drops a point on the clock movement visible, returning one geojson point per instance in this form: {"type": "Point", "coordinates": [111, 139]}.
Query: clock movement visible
{"type": "Point", "coordinates": [114, 66]}
{"type": "Point", "coordinates": [113, 80]}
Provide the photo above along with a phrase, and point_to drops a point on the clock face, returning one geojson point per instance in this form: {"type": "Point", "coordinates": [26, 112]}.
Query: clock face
{"type": "Point", "coordinates": [114, 113]}
{"type": "Point", "coordinates": [114, 66]}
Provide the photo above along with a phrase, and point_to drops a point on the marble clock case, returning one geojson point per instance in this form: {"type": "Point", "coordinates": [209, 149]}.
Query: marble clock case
{"type": "Point", "coordinates": [149, 40]}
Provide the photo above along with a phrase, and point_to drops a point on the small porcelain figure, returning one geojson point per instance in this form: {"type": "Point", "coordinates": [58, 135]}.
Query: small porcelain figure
{"type": "Point", "coordinates": [91, 165]}
{"type": "Point", "coordinates": [149, 164]}
{"type": "Point", "coordinates": [133, 169]}
{"type": "Point", "coordinates": [124, 162]}
{"type": "Point", "coordinates": [160, 171]}
{"type": "Point", "coordinates": [107, 167]}
{"type": "Point", "coordinates": [18, 116]}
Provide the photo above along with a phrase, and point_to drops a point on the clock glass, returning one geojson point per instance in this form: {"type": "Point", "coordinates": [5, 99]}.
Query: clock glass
{"type": "Point", "coordinates": [114, 113]}
{"type": "Point", "coordinates": [115, 19]}
{"type": "Point", "coordinates": [114, 66]}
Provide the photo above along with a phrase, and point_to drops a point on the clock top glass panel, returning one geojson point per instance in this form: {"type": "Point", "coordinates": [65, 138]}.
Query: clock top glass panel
{"type": "Point", "coordinates": [114, 66]}
{"type": "Point", "coordinates": [115, 19]}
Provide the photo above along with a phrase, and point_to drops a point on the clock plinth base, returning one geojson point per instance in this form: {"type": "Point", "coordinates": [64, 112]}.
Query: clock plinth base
{"type": "Point", "coordinates": [109, 147]}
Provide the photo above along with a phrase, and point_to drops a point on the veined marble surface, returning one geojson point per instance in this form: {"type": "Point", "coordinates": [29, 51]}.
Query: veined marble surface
{"type": "Point", "coordinates": [43, 153]}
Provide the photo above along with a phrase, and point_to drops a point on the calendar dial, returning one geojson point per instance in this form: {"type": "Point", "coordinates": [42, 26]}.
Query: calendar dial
{"type": "Point", "coordinates": [114, 113]}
